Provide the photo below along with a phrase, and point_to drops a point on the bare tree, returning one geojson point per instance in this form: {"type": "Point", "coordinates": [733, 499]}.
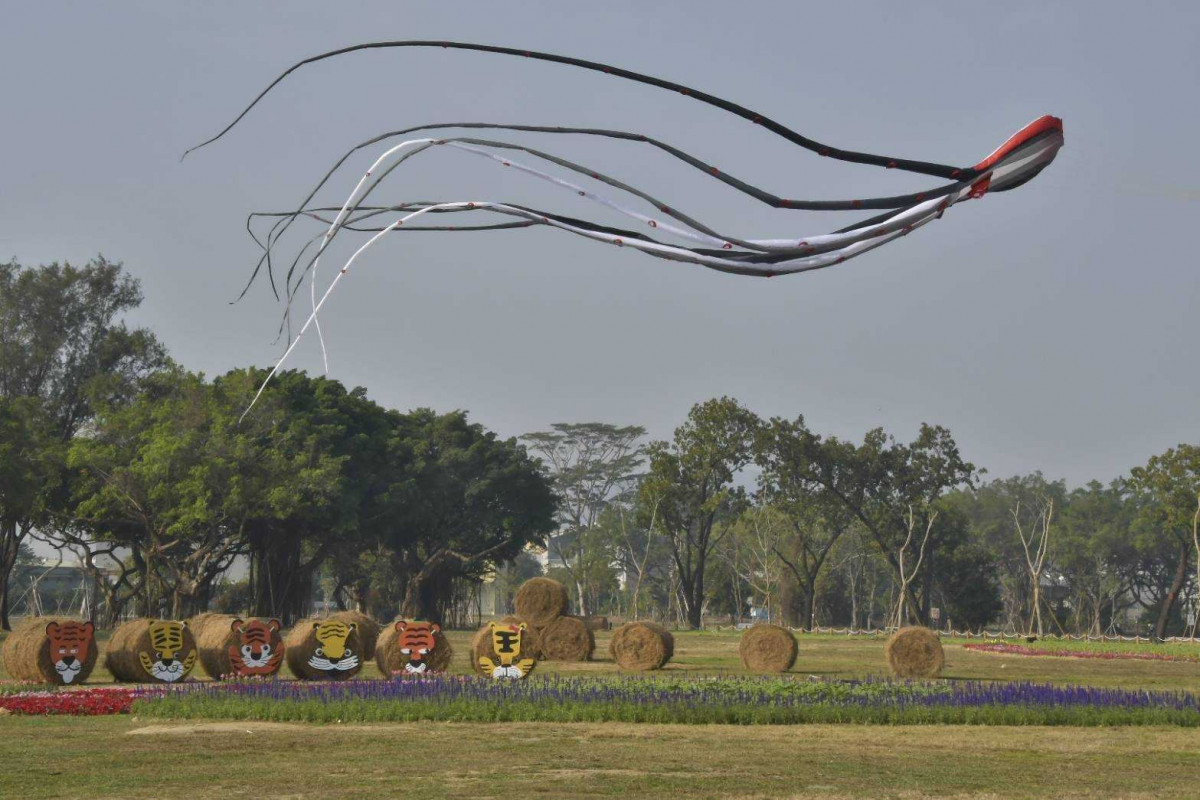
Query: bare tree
{"type": "Point", "coordinates": [903, 610]}
{"type": "Point", "coordinates": [1035, 545]}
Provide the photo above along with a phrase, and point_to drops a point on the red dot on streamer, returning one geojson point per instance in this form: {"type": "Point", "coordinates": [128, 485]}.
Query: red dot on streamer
{"type": "Point", "coordinates": [856, 203]}
{"type": "Point", "coordinates": [727, 246]}
{"type": "Point", "coordinates": [618, 243]}
{"type": "Point", "coordinates": [653, 224]}
{"type": "Point", "coordinates": [891, 165]}
{"type": "Point", "coordinates": [715, 171]}
{"type": "Point", "coordinates": [920, 196]}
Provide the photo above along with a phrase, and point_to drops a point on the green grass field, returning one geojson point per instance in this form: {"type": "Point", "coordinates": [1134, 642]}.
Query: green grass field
{"type": "Point", "coordinates": [137, 757]}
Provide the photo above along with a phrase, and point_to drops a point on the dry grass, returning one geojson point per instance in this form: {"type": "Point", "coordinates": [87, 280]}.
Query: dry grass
{"type": "Point", "coordinates": [95, 758]}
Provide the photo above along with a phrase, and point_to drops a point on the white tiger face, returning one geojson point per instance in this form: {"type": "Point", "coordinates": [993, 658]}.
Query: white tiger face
{"type": "Point", "coordinates": [167, 670]}
{"type": "Point", "coordinates": [347, 663]}
{"type": "Point", "coordinates": [261, 659]}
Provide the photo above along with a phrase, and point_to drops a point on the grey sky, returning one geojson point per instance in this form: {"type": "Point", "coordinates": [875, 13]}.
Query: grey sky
{"type": "Point", "coordinates": [1051, 327]}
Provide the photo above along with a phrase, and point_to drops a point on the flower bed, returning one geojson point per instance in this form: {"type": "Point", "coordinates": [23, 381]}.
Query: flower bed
{"type": "Point", "coordinates": [713, 701]}
{"type": "Point", "coordinates": [1105, 653]}
{"type": "Point", "coordinates": [90, 702]}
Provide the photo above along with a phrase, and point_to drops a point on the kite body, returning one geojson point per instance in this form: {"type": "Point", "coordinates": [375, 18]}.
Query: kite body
{"type": "Point", "coordinates": [660, 228]}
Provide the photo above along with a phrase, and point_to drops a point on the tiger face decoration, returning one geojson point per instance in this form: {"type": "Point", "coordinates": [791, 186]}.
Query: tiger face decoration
{"type": "Point", "coordinates": [333, 656]}
{"type": "Point", "coordinates": [259, 650]}
{"type": "Point", "coordinates": [506, 646]}
{"type": "Point", "coordinates": [417, 640]}
{"type": "Point", "coordinates": [69, 643]}
{"type": "Point", "coordinates": [167, 662]}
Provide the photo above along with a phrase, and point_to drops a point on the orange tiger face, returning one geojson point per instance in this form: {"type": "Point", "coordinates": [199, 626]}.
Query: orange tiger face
{"type": "Point", "coordinates": [259, 650]}
{"type": "Point", "coordinates": [417, 640]}
{"type": "Point", "coordinates": [69, 646]}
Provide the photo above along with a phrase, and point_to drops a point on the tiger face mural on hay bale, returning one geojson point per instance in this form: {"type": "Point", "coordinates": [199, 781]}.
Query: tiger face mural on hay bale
{"type": "Point", "coordinates": [508, 661]}
{"type": "Point", "coordinates": [144, 650]}
{"type": "Point", "coordinates": [169, 658]}
{"type": "Point", "coordinates": [56, 651]}
{"type": "Point", "coordinates": [324, 649]}
{"type": "Point", "coordinates": [259, 650]}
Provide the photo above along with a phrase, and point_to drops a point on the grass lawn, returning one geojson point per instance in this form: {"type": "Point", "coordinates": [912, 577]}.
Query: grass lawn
{"type": "Point", "coordinates": [126, 757]}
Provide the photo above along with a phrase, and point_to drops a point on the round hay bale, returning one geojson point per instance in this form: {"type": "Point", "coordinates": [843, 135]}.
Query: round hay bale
{"type": "Point", "coordinates": [151, 651]}
{"type": "Point", "coordinates": [915, 653]}
{"type": "Point", "coordinates": [567, 639]}
{"type": "Point", "coordinates": [368, 630]}
{"type": "Point", "coordinates": [231, 647]}
{"type": "Point", "coordinates": [540, 600]}
{"type": "Point", "coordinates": [483, 646]}
{"type": "Point", "coordinates": [323, 649]}
{"type": "Point", "coordinates": [641, 646]}
{"type": "Point", "coordinates": [768, 648]}
{"type": "Point", "coordinates": [415, 636]}
{"type": "Point", "coordinates": [53, 650]}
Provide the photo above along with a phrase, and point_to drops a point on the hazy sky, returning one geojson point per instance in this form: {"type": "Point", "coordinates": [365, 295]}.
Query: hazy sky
{"type": "Point", "coordinates": [1053, 327]}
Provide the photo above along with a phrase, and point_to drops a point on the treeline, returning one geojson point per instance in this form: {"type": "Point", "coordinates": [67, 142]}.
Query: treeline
{"type": "Point", "coordinates": [150, 477]}
{"type": "Point", "coordinates": [737, 511]}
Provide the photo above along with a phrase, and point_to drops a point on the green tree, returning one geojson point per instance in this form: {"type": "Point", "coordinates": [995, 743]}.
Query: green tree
{"type": "Point", "coordinates": [63, 351]}
{"type": "Point", "coordinates": [460, 502]}
{"type": "Point", "coordinates": [690, 482]}
{"type": "Point", "coordinates": [1170, 485]}
{"type": "Point", "coordinates": [816, 513]}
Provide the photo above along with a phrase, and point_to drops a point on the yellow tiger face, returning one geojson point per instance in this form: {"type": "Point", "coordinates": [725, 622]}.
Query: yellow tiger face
{"type": "Point", "coordinates": [169, 662]}
{"type": "Point", "coordinates": [333, 655]}
{"type": "Point", "coordinates": [509, 661]}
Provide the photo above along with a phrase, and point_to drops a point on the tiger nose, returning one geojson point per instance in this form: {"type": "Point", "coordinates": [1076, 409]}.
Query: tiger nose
{"type": "Point", "coordinates": [166, 662]}
{"type": "Point", "coordinates": [68, 660]}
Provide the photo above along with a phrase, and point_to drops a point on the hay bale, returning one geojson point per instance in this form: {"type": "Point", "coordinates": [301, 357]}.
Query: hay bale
{"type": "Point", "coordinates": [53, 650]}
{"type": "Point", "coordinates": [151, 651]}
{"type": "Point", "coordinates": [368, 630]}
{"type": "Point", "coordinates": [392, 639]}
{"type": "Point", "coordinates": [231, 647]}
{"type": "Point", "coordinates": [540, 600]}
{"type": "Point", "coordinates": [567, 639]}
{"type": "Point", "coordinates": [483, 646]}
{"type": "Point", "coordinates": [641, 646]}
{"type": "Point", "coordinates": [596, 622]}
{"type": "Point", "coordinates": [768, 648]}
{"type": "Point", "coordinates": [323, 649]}
{"type": "Point", "coordinates": [915, 653]}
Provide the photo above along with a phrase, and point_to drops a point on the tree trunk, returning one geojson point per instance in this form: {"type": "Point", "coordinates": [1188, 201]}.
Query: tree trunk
{"type": "Point", "coordinates": [9, 546]}
{"type": "Point", "coordinates": [1164, 613]}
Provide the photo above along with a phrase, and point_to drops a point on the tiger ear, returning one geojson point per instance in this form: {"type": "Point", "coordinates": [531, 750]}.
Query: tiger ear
{"type": "Point", "coordinates": [401, 625]}
{"type": "Point", "coordinates": [236, 626]}
{"type": "Point", "coordinates": [353, 626]}
{"type": "Point", "coordinates": [522, 626]}
{"type": "Point", "coordinates": [52, 629]}
{"type": "Point", "coordinates": [274, 625]}
{"type": "Point", "coordinates": [87, 626]}
{"type": "Point", "coordinates": [316, 625]}
{"type": "Point", "coordinates": [434, 628]}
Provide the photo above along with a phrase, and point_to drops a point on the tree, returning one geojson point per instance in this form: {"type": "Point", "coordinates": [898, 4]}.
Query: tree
{"type": "Point", "coordinates": [690, 482]}
{"type": "Point", "coordinates": [816, 514]}
{"type": "Point", "coordinates": [589, 463]}
{"type": "Point", "coordinates": [63, 351]}
{"type": "Point", "coordinates": [463, 502]}
{"type": "Point", "coordinates": [176, 479]}
{"type": "Point", "coordinates": [1170, 484]}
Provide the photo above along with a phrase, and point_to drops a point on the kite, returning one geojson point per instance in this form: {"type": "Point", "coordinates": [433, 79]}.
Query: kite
{"type": "Point", "coordinates": [663, 229]}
